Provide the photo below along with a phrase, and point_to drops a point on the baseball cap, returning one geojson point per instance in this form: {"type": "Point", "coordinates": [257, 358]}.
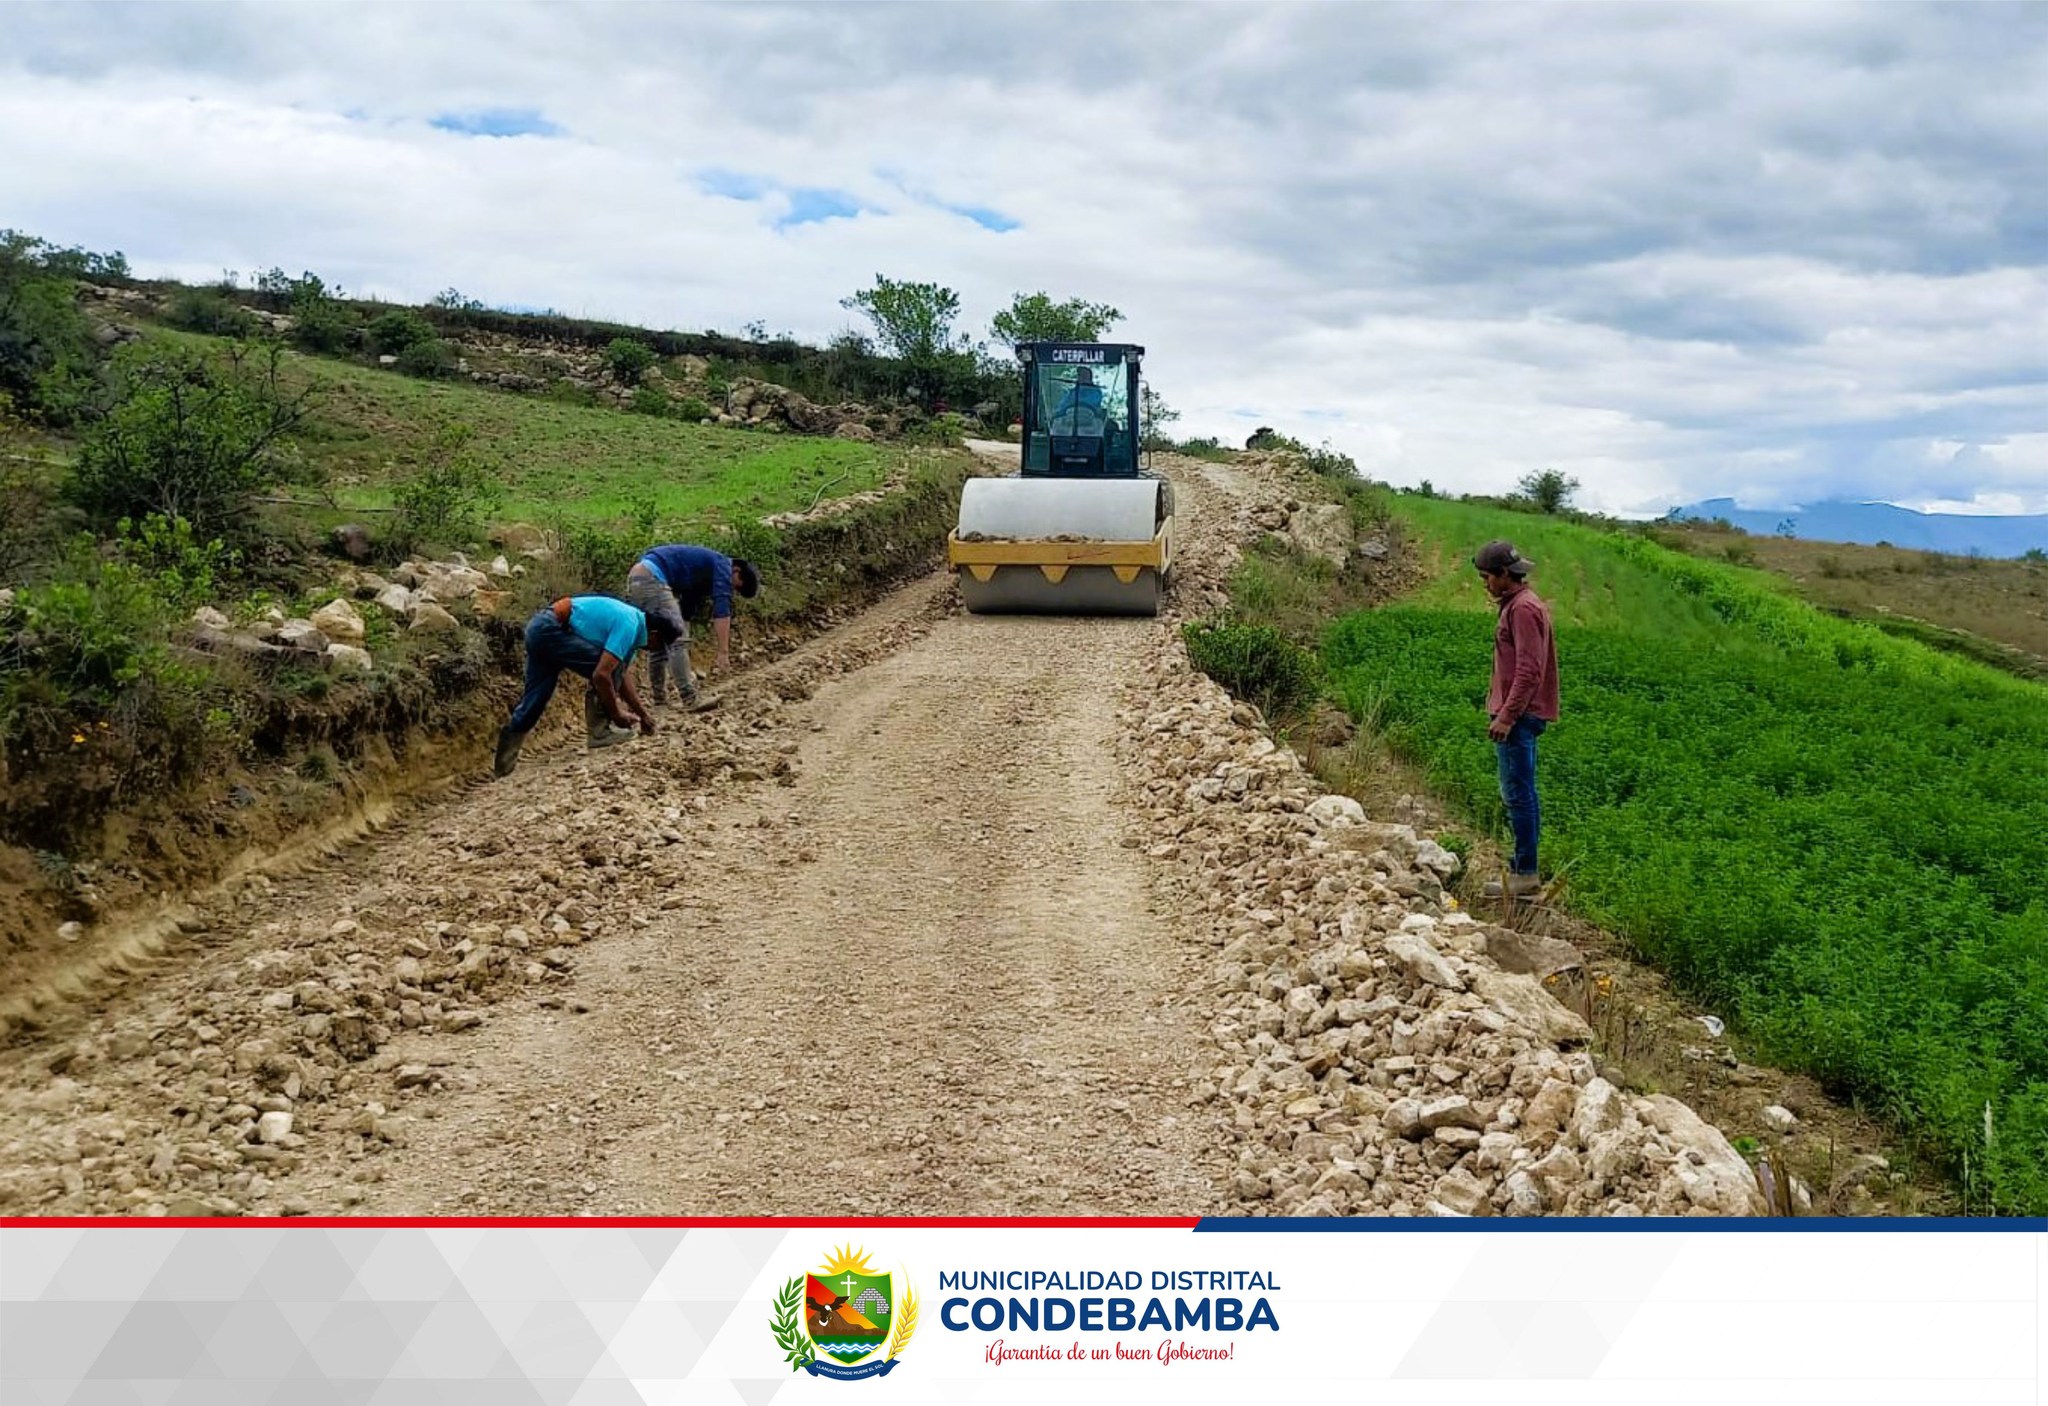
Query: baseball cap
{"type": "Point", "coordinates": [1502, 556]}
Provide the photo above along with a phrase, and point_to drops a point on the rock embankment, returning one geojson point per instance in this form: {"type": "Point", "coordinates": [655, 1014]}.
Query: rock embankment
{"type": "Point", "coordinates": [1378, 1050]}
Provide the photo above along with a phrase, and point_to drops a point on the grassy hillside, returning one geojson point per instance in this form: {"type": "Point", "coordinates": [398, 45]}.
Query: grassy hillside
{"type": "Point", "coordinates": [1990, 609]}
{"type": "Point", "coordinates": [560, 459]}
{"type": "Point", "coordinates": [1835, 835]}
{"type": "Point", "coordinates": [105, 704]}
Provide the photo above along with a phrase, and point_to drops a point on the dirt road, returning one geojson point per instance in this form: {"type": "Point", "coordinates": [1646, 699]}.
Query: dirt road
{"type": "Point", "coordinates": [876, 938]}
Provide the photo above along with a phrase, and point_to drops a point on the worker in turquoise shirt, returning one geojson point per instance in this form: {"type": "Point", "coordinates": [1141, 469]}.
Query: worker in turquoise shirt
{"type": "Point", "coordinates": [595, 637]}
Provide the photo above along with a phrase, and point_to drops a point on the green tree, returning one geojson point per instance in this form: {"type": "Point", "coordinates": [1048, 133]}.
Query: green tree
{"type": "Point", "coordinates": [1155, 415]}
{"type": "Point", "coordinates": [1549, 489]}
{"type": "Point", "coordinates": [628, 358]}
{"type": "Point", "coordinates": [185, 435]}
{"type": "Point", "coordinates": [913, 321]}
{"type": "Point", "coordinates": [1035, 317]}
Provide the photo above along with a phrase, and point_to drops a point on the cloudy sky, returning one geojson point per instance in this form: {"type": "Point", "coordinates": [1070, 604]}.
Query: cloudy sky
{"type": "Point", "coordinates": [1783, 253]}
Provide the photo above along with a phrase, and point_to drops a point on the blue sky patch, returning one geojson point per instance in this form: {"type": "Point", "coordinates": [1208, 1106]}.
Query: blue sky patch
{"type": "Point", "coordinates": [498, 122]}
{"type": "Point", "coordinates": [809, 205]}
{"type": "Point", "coordinates": [733, 185]}
{"type": "Point", "coordinates": [988, 219]}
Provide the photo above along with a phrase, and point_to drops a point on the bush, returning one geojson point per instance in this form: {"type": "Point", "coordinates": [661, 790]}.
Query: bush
{"type": "Point", "coordinates": [46, 350]}
{"type": "Point", "coordinates": [431, 360]}
{"type": "Point", "coordinates": [1330, 463]}
{"type": "Point", "coordinates": [395, 332]}
{"type": "Point", "coordinates": [183, 570]}
{"type": "Point", "coordinates": [445, 500]}
{"type": "Point", "coordinates": [92, 627]}
{"type": "Point", "coordinates": [628, 359]}
{"type": "Point", "coordinates": [1266, 437]}
{"type": "Point", "coordinates": [94, 705]}
{"type": "Point", "coordinates": [210, 311]}
{"type": "Point", "coordinates": [185, 435]}
{"type": "Point", "coordinates": [750, 539]}
{"type": "Point", "coordinates": [596, 557]}
{"type": "Point", "coordinates": [1256, 663]}
{"type": "Point", "coordinates": [320, 323]}
{"type": "Point", "coordinates": [650, 400]}
{"type": "Point", "coordinates": [692, 409]}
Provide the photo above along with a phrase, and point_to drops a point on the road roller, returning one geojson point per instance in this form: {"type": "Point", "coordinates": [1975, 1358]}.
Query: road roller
{"type": "Point", "coordinates": [1080, 528]}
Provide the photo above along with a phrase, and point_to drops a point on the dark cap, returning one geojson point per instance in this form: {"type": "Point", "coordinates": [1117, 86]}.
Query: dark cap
{"type": "Point", "coordinates": [750, 579]}
{"type": "Point", "coordinates": [1502, 556]}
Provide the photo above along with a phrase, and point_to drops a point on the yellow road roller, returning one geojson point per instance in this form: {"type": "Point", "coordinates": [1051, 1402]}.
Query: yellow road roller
{"type": "Point", "coordinates": [1081, 528]}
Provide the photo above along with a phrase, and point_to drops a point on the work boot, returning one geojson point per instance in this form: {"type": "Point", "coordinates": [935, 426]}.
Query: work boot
{"type": "Point", "coordinates": [596, 722]}
{"type": "Point", "coordinates": [694, 702]}
{"type": "Point", "coordinates": [1518, 886]}
{"type": "Point", "coordinates": [509, 743]}
{"type": "Point", "coordinates": [612, 736]}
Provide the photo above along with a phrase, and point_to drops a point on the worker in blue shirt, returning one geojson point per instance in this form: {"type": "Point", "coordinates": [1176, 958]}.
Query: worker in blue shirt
{"type": "Point", "coordinates": [595, 637]}
{"type": "Point", "coordinates": [672, 583]}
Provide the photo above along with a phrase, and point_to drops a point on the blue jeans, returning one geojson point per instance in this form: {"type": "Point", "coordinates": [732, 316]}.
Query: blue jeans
{"type": "Point", "coordinates": [1518, 788]}
{"type": "Point", "coordinates": [550, 648]}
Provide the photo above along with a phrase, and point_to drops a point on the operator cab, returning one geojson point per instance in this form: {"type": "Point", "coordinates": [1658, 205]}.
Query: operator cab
{"type": "Point", "coordinates": [1080, 409]}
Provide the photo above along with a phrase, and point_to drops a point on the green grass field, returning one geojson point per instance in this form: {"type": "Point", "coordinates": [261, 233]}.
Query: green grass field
{"type": "Point", "coordinates": [1836, 836]}
{"type": "Point", "coordinates": [560, 460]}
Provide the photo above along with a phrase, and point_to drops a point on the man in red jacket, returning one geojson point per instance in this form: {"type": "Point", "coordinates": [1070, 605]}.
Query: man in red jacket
{"type": "Point", "coordinates": [1522, 700]}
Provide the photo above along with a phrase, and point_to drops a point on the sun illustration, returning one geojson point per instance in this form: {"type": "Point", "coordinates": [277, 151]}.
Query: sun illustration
{"type": "Point", "coordinates": [847, 1260]}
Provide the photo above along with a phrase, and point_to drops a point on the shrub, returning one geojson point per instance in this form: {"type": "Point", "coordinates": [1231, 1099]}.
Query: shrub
{"type": "Point", "coordinates": [1330, 462]}
{"type": "Point", "coordinates": [431, 360]}
{"type": "Point", "coordinates": [445, 499]}
{"type": "Point", "coordinates": [320, 322]}
{"type": "Point", "coordinates": [692, 409]}
{"type": "Point", "coordinates": [1256, 663]}
{"type": "Point", "coordinates": [210, 311]}
{"type": "Point", "coordinates": [628, 358]}
{"type": "Point", "coordinates": [186, 436]}
{"type": "Point", "coordinates": [92, 626]}
{"type": "Point", "coordinates": [643, 515]}
{"type": "Point", "coordinates": [649, 400]}
{"type": "Point", "coordinates": [183, 570]}
{"type": "Point", "coordinates": [46, 350]}
{"type": "Point", "coordinates": [750, 539]}
{"type": "Point", "coordinates": [567, 392]}
{"type": "Point", "coordinates": [395, 332]}
{"type": "Point", "coordinates": [595, 556]}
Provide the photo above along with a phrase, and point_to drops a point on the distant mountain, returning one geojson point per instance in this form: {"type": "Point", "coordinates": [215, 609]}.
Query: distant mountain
{"type": "Point", "coordinates": [1870, 523]}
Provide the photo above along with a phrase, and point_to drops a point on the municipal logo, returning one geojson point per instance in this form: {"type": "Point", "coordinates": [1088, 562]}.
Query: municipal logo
{"type": "Point", "coordinates": [843, 1320]}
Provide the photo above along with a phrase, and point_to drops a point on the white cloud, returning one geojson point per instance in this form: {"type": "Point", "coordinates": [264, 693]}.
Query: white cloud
{"type": "Point", "coordinates": [1782, 252]}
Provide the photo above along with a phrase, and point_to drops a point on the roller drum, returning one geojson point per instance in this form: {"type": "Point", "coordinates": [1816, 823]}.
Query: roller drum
{"type": "Point", "coordinates": [1098, 510]}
